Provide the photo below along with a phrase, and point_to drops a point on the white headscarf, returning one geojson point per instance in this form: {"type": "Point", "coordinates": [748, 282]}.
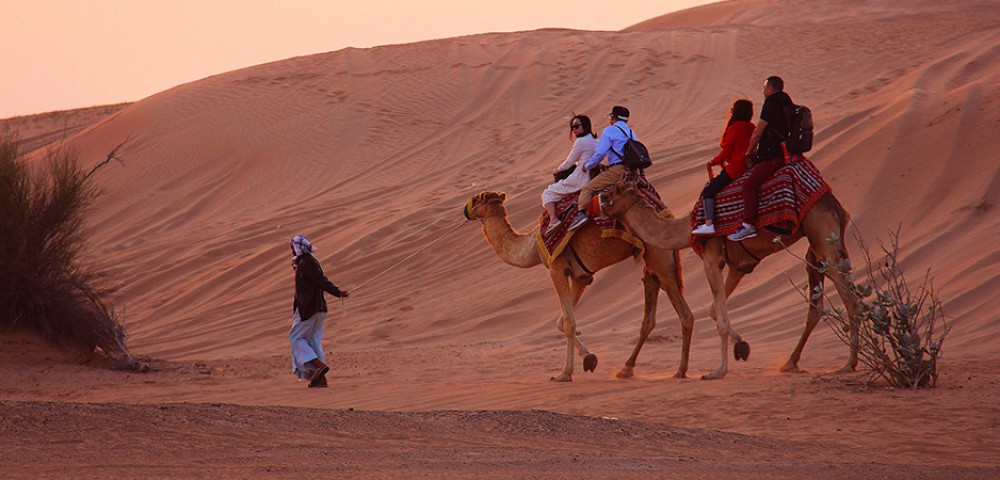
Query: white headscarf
{"type": "Point", "coordinates": [300, 244]}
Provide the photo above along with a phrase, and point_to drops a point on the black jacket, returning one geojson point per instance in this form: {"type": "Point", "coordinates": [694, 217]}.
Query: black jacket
{"type": "Point", "coordinates": [774, 113]}
{"type": "Point", "coordinates": [310, 283]}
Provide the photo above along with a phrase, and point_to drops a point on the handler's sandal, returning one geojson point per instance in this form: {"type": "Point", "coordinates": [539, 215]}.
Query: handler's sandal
{"type": "Point", "coordinates": [318, 376]}
{"type": "Point", "coordinates": [744, 232]}
{"type": "Point", "coordinates": [704, 230]}
{"type": "Point", "coordinates": [581, 218]}
{"type": "Point", "coordinates": [319, 383]}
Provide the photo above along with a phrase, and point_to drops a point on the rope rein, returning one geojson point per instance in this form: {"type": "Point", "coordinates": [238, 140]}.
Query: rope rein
{"type": "Point", "coordinates": [421, 249]}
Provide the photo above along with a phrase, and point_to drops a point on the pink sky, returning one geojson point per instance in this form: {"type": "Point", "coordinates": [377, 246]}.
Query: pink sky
{"type": "Point", "coordinates": [64, 54]}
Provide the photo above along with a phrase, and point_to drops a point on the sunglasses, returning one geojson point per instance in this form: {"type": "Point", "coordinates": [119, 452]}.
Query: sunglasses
{"type": "Point", "coordinates": [575, 125]}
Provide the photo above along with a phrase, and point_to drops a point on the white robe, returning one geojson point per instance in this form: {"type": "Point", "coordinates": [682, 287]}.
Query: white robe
{"type": "Point", "coordinates": [583, 150]}
{"type": "Point", "coordinates": [306, 338]}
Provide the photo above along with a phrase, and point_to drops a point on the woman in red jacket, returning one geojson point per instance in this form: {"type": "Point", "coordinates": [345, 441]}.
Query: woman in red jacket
{"type": "Point", "coordinates": [734, 144]}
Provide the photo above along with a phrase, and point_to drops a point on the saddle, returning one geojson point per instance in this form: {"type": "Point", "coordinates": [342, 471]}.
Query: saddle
{"type": "Point", "coordinates": [553, 243]}
{"type": "Point", "coordinates": [782, 202]}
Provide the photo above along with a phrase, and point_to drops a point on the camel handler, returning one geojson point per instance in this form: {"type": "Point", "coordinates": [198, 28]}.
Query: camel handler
{"type": "Point", "coordinates": [309, 314]}
{"type": "Point", "coordinates": [612, 141]}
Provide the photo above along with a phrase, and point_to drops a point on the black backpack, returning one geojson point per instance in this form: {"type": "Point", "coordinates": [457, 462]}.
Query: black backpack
{"type": "Point", "coordinates": [634, 156]}
{"type": "Point", "coordinates": [800, 128]}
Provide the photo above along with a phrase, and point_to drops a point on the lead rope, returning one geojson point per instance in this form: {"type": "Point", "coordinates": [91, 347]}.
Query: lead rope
{"type": "Point", "coordinates": [421, 249]}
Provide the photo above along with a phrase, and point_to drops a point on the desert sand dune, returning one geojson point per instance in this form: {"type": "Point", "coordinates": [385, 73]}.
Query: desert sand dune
{"type": "Point", "coordinates": [372, 153]}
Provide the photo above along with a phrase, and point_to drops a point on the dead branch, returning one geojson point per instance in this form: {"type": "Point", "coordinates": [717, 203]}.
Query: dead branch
{"type": "Point", "coordinates": [113, 155]}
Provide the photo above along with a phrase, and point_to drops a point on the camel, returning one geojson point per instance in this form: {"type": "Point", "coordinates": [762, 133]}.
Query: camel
{"type": "Point", "coordinates": [825, 220]}
{"type": "Point", "coordinates": [573, 270]}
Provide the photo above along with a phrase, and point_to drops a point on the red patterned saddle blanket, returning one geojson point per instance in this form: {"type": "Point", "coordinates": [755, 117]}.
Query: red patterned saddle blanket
{"type": "Point", "coordinates": [782, 202]}
{"type": "Point", "coordinates": [554, 243]}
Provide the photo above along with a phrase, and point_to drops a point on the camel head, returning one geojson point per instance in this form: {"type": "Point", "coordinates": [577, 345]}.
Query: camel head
{"type": "Point", "coordinates": [485, 204]}
{"type": "Point", "coordinates": [624, 196]}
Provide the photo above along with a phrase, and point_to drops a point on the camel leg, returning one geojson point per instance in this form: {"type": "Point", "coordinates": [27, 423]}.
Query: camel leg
{"type": "Point", "coordinates": [712, 259]}
{"type": "Point", "coordinates": [567, 321]}
{"type": "Point", "coordinates": [741, 349]}
{"type": "Point", "coordinates": [815, 312]}
{"type": "Point", "coordinates": [651, 289]}
{"type": "Point", "coordinates": [577, 286]}
{"type": "Point", "coordinates": [827, 217]}
{"type": "Point", "coordinates": [576, 289]}
{"type": "Point", "coordinates": [672, 286]}
{"type": "Point", "coordinates": [851, 305]}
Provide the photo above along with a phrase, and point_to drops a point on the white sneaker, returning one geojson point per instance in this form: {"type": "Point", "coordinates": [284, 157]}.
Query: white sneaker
{"type": "Point", "coordinates": [704, 230]}
{"type": "Point", "coordinates": [744, 232]}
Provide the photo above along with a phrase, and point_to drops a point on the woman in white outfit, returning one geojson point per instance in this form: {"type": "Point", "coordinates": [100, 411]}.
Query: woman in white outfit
{"type": "Point", "coordinates": [583, 148]}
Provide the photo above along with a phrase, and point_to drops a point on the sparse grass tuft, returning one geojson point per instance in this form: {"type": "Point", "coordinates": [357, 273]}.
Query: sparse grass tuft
{"type": "Point", "coordinates": [43, 286]}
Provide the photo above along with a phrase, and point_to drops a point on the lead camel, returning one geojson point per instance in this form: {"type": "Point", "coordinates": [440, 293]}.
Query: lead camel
{"type": "Point", "coordinates": [662, 270]}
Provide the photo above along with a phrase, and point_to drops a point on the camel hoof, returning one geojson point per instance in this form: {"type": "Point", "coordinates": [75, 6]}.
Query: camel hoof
{"type": "Point", "coordinates": [713, 376]}
{"type": "Point", "coordinates": [562, 378]}
{"type": "Point", "coordinates": [680, 375]}
{"type": "Point", "coordinates": [625, 372]}
{"type": "Point", "coordinates": [791, 368]}
{"type": "Point", "coordinates": [589, 362]}
{"type": "Point", "coordinates": [741, 350]}
{"type": "Point", "coordinates": [846, 369]}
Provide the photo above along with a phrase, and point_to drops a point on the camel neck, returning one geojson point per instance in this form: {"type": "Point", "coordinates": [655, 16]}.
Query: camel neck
{"type": "Point", "coordinates": [511, 246]}
{"type": "Point", "coordinates": [669, 233]}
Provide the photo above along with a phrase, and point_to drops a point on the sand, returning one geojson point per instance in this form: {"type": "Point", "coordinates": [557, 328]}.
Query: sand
{"type": "Point", "coordinates": [441, 365]}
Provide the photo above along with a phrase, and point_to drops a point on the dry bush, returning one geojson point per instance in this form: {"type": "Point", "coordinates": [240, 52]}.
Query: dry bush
{"type": "Point", "coordinates": [901, 330]}
{"type": "Point", "coordinates": [43, 286]}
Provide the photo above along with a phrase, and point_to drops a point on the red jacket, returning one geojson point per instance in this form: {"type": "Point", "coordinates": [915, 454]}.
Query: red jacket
{"type": "Point", "coordinates": [734, 147]}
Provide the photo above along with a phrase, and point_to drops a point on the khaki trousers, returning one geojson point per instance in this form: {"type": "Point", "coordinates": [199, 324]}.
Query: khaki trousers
{"type": "Point", "coordinates": [598, 183]}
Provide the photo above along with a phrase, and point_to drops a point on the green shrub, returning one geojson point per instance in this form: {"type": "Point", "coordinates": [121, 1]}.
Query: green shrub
{"type": "Point", "coordinates": [901, 330]}
{"type": "Point", "coordinates": [43, 286]}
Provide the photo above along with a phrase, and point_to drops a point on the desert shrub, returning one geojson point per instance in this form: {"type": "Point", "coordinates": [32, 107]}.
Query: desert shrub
{"type": "Point", "coordinates": [901, 330]}
{"type": "Point", "coordinates": [44, 287]}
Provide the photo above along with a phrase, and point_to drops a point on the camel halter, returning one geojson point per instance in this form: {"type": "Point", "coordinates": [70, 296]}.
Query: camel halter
{"type": "Point", "coordinates": [467, 211]}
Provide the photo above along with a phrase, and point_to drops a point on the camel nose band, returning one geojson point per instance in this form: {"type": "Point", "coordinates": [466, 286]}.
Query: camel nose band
{"type": "Point", "coordinates": [467, 210]}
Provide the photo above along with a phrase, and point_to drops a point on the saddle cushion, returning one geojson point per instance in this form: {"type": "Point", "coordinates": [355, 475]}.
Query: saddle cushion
{"type": "Point", "coordinates": [782, 203]}
{"type": "Point", "coordinates": [551, 245]}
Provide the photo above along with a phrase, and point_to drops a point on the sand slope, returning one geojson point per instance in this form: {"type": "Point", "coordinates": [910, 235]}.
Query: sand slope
{"type": "Point", "coordinates": [372, 153]}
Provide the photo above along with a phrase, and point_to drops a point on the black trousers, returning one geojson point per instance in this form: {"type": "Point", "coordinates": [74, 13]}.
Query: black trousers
{"type": "Point", "coordinates": [711, 190]}
{"type": "Point", "coordinates": [716, 185]}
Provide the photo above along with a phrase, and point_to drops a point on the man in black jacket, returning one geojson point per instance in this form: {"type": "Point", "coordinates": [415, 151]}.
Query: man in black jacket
{"type": "Point", "coordinates": [764, 152]}
{"type": "Point", "coordinates": [309, 313]}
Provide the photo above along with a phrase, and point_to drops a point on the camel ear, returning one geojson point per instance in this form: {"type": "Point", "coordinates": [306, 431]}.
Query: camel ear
{"type": "Point", "coordinates": [503, 196]}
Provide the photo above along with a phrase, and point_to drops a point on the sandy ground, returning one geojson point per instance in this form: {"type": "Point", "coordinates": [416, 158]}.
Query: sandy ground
{"type": "Point", "coordinates": [441, 367]}
{"type": "Point", "coordinates": [465, 411]}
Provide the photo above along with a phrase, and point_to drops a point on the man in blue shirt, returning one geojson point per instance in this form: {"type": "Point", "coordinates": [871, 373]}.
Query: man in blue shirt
{"type": "Point", "coordinates": [611, 145]}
